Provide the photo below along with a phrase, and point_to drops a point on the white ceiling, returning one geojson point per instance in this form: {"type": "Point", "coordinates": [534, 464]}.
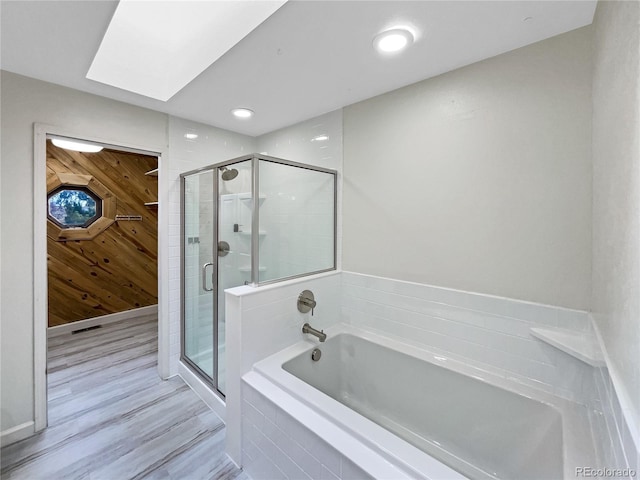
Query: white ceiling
{"type": "Point", "coordinates": [308, 58]}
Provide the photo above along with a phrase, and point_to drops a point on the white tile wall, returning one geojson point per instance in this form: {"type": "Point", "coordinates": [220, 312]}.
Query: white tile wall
{"type": "Point", "coordinates": [261, 321]}
{"type": "Point", "coordinates": [297, 218]}
{"type": "Point", "coordinates": [270, 317]}
{"type": "Point", "coordinates": [616, 448]}
{"type": "Point", "coordinates": [490, 332]}
{"type": "Point", "coordinates": [296, 143]}
{"type": "Point", "coordinates": [212, 145]}
{"type": "Point", "coordinates": [276, 446]}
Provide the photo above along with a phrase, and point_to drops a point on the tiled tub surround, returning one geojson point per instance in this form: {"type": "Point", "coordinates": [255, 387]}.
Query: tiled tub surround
{"type": "Point", "coordinates": [491, 334]}
{"type": "Point", "coordinates": [261, 321]}
{"type": "Point", "coordinates": [616, 446]}
{"type": "Point", "coordinates": [494, 334]}
{"type": "Point", "coordinates": [473, 421]}
{"type": "Point", "coordinates": [276, 445]}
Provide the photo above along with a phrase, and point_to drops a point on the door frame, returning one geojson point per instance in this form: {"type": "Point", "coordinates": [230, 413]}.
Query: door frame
{"type": "Point", "coordinates": [40, 282]}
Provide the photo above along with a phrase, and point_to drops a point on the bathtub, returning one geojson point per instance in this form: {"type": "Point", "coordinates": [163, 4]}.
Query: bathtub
{"type": "Point", "coordinates": [429, 416]}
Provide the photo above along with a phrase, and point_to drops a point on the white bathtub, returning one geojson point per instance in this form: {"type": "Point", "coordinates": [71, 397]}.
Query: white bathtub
{"type": "Point", "coordinates": [429, 416]}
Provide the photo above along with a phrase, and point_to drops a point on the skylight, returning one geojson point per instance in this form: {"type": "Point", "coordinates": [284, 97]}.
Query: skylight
{"type": "Point", "coordinates": [155, 48]}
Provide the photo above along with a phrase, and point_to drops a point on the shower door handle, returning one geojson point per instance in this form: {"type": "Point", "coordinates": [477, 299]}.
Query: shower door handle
{"type": "Point", "coordinates": [204, 277]}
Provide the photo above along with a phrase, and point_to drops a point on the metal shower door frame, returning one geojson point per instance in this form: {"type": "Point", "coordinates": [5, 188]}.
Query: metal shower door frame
{"type": "Point", "coordinates": [213, 380]}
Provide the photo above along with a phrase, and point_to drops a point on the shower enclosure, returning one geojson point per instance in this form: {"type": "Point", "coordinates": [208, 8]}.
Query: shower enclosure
{"type": "Point", "coordinates": [252, 220]}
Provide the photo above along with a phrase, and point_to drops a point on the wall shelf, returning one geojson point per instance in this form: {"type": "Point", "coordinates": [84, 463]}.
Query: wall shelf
{"type": "Point", "coordinates": [247, 199]}
{"type": "Point", "coordinates": [151, 204]}
{"type": "Point", "coordinates": [248, 233]}
{"type": "Point", "coordinates": [152, 173]}
{"type": "Point", "coordinates": [580, 345]}
{"type": "Point", "coordinates": [248, 269]}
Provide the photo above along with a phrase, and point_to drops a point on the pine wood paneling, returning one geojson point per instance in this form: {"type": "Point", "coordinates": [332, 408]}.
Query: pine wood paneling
{"type": "Point", "coordinates": [117, 270]}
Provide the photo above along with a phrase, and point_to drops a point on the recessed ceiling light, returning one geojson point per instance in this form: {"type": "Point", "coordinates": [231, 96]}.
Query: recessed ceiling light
{"type": "Point", "coordinates": [320, 138]}
{"type": "Point", "coordinates": [392, 41]}
{"type": "Point", "coordinates": [76, 146]}
{"type": "Point", "coordinates": [190, 136]}
{"type": "Point", "coordinates": [242, 113]}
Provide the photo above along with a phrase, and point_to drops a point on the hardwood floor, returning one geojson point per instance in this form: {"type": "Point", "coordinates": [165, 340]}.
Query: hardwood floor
{"type": "Point", "coordinates": [111, 417]}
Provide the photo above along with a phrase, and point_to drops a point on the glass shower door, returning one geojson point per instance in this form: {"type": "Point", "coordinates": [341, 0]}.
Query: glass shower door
{"type": "Point", "coordinates": [217, 216]}
{"type": "Point", "coordinates": [199, 272]}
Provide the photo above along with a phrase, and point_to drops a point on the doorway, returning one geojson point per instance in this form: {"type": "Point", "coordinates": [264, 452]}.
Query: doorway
{"type": "Point", "coordinates": [102, 235]}
{"type": "Point", "coordinates": [88, 218]}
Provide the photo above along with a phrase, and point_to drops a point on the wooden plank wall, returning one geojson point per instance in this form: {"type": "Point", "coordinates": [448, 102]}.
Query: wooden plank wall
{"type": "Point", "coordinates": [117, 270]}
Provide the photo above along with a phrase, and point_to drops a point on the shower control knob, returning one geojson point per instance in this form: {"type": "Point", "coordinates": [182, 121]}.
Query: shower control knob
{"type": "Point", "coordinates": [306, 302]}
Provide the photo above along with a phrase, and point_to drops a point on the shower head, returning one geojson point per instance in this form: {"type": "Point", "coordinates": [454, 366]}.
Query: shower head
{"type": "Point", "coordinates": [228, 174]}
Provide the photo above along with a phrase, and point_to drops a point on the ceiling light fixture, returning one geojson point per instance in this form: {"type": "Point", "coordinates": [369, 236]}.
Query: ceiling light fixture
{"type": "Point", "coordinates": [190, 136]}
{"type": "Point", "coordinates": [393, 41]}
{"type": "Point", "coordinates": [76, 146]}
{"type": "Point", "coordinates": [320, 138]}
{"type": "Point", "coordinates": [242, 113]}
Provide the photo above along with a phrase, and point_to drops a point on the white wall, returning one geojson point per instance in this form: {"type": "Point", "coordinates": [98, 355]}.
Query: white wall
{"type": "Point", "coordinates": [25, 101]}
{"type": "Point", "coordinates": [478, 179]}
{"type": "Point", "coordinates": [616, 197]}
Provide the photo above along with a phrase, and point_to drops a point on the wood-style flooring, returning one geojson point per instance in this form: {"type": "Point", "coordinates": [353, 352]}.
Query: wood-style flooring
{"type": "Point", "coordinates": [111, 417]}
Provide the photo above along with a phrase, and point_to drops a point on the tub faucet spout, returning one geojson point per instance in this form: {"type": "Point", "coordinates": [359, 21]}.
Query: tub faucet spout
{"type": "Point", "coordinates": [306, 328]}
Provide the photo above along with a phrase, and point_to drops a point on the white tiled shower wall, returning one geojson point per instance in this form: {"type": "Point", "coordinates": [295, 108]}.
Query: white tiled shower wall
{"type": "Point", "coordinates": [211, 146]}
{"type": "Point", "coordinates": [215, 145]}
{"type": "Point", "coordinates": [297, 143]}
{"type": "Point", "coordinates": [296, 221]}
{"type": "Point", "coordinates": [489, 332]}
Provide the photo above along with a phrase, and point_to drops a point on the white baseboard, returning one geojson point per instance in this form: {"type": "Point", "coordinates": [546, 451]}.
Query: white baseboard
{"type": "Point", "coordinates": [213, 401]}
{"type": "Point", "coordinates": [17, 433]}
{"type": "Point", "coordinates": [103, 320]}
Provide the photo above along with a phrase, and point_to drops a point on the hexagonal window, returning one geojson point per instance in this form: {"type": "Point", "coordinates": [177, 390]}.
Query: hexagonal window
{"type": "Point", "coordinates": [73, 207]}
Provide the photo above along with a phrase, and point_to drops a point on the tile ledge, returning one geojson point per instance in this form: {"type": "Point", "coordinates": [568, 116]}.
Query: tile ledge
{"type": "Point", "coordinates": [580, 345]}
